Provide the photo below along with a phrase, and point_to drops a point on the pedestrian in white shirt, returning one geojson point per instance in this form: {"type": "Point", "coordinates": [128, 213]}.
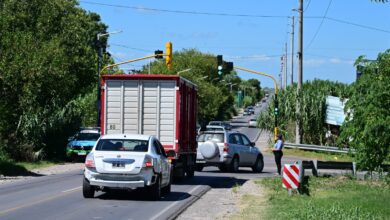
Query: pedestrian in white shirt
{"type": "Point", "coordinates": [278, 153]}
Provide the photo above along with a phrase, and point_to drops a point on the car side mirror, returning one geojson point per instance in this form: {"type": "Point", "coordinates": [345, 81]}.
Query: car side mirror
{"type": "Point", "coordinates": [253, 144]}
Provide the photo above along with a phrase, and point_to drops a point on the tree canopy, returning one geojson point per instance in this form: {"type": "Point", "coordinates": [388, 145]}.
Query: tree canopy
{"type": "Point", "coordinates": [48, 59]}
{"type": "Point", "coordinates": [367, 128]}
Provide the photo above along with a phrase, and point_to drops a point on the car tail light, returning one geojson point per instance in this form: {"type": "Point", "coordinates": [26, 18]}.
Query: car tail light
{"type": "Point", "coordinates": [148, 163]}
{"type": "Point", "coordinates": [89, 161]}
{"type": "Point", "coordinates": [225, 147]}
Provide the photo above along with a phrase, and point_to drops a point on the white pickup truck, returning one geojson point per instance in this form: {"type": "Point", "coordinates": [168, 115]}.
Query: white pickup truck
{"type": "Point", "coordinates": [127, 161]}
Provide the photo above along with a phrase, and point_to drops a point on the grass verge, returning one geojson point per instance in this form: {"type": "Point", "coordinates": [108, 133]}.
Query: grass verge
{"type": "Point", "coordinates": [10, 168]}
{"type": "Point", "coordinates": [328, 198]}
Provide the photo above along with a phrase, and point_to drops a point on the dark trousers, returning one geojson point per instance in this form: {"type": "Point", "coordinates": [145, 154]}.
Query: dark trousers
{"type": "Point", "coordinates": [278, 160]}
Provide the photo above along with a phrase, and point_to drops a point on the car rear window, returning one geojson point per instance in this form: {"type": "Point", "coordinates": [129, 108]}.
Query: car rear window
{"type": "Point", "coordinates": [219, 138]}
{"type": "Point", "coordinates": [215, 123]}
{"type": "Point", "coordinates": [122, 145]}
{"type": "Point", "coordinates": [87, 136]}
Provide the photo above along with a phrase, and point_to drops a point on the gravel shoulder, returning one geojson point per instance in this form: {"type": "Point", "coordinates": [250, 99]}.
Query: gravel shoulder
{"type": "Point", "coordinates": [226, 203]}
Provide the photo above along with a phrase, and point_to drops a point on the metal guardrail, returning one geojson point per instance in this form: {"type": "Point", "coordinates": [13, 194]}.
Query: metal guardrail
{"type": "Point", "coordinates": [331, 165]}
{"type": "Point", "coordinates": [319, 148]}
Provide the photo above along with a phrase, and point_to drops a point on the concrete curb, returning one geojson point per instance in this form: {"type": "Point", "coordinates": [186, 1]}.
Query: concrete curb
{"type": "Point", "coordinates": [194, 197]}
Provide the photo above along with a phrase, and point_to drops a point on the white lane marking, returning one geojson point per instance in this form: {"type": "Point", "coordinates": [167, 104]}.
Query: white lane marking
{"type": "Point", "coordinates": [174, 203]}
{"type": "Point", "coordinates": [73, 189]}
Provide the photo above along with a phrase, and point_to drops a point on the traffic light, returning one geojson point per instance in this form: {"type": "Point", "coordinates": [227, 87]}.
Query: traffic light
{"type": "Point", "coordinates": [228, 66]}
{"type": "Point", "coordinates": [220, 64]}
{"type": "Point", "coordinates": [158, 54]}
{"type": "Point", "coordinates": [276, 110]}
{"type": "Point", "coordinates": [168, 59]}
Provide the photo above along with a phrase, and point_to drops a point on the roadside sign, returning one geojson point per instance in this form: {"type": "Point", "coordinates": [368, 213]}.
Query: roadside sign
{"type": "Point", "coordinates": [290, 176]}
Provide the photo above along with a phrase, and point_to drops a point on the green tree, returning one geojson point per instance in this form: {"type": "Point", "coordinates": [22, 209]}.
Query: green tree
{"type": "Point", "coordinates": [48, 59]}
{"type": "Point", "coordinates": [367, 129]}
{"type": "Point", "coordinates": [215, 100]}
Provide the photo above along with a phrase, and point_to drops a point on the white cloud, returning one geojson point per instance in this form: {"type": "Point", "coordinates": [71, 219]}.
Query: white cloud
{"type": "Point", "coordinates": [320, 62]}
{"type": "Point", "coordinates": [256, 57]}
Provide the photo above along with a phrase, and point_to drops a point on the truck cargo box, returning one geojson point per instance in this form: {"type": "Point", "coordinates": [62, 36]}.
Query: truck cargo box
{"type": "Point", "coordinates": [161, 105]}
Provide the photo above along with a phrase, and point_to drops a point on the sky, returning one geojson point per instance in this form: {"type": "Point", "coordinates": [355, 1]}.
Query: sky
{"type": "Point", "coordinates": [252, 34]}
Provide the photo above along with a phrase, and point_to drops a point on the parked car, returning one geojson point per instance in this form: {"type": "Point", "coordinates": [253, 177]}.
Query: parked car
{"type": "Point", "coordinates": [127, 161]}
{"type": "Point", "coordinates": [226, 125]}
{"type": "Point", "coordinates": [215, 128]}
{"type": "Point", "coordinates": [228, 151]}
{"type": "Point", "coordinates": [252, 122]}
{"type": "Point", "coordinates": [82, 143]}
{"type": "Point", "coordinates": [246, 112]}
{"type": "Point", "coordinates": [251, 109]}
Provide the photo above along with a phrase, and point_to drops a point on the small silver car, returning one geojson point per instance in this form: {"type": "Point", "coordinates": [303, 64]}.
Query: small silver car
{"type": "Point", "coordinates": [228, 151]}
{"type": "Point", "coordinates": [252, 122]}
{"type": "Point", "coordinates": [127, 161]}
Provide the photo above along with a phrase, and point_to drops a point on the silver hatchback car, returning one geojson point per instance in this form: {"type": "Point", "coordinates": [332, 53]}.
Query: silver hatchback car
{"type": "Point", "coordinates": [228, 151]}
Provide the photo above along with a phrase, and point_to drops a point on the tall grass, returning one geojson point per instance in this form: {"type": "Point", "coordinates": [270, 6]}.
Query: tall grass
{"type": "Point", "coordinates": [329, 198]}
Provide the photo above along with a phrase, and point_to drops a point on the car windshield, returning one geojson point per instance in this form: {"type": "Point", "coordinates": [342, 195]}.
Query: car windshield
{"type": "Point", "coordinates": [122, 145]}
{"type": "Point", "coordinates": [87, 136]}
{"type": "Point", "coordinates": [215, 123]}
{"type": "Point", "coordinates": [217, 137]}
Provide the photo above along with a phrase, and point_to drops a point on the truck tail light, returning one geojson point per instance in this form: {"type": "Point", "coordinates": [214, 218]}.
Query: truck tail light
{"type": "Point", "coordinates": [148, 163]}
{"type": "Point", "coordinates": [89, 161]}
{"type": "Point", "coordinates": [225, 147]}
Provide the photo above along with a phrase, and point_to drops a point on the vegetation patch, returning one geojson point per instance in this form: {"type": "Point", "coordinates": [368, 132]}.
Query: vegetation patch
{"type": "Point", "coordinates": [10, 168]}
{"type": "Point", "coordinates": [328, 198]}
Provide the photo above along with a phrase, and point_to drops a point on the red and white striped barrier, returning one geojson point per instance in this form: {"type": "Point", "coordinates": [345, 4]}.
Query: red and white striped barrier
{"type": "Point", "coordinates": [291, 176]}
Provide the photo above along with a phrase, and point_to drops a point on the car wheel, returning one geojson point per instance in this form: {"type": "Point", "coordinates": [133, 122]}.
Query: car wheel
{"type": "Point", "coordinates": [199, 167]}
{"type": "Point", "coordinates": [155, 190]}
{"type": "Point", "coordinates": [222, 168]}
{"type": "Point", "coordinates": [190, 172]}
{"type": "Point", "coordinates": [234, 165]}
{"type": "Point", "coordinates": [167, 189]}
{"type": "Point", "coordinates": [258, 166]}
{"type": "Point", "coordinates": [88, 190]}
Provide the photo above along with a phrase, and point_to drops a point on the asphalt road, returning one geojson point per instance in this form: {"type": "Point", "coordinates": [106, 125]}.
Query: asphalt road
{"type": "Point", "coordinates": [60, 197]}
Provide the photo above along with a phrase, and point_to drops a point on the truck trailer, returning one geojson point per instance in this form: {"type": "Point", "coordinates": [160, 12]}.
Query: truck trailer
{"type": "Point", "coordinates": [161, 105]}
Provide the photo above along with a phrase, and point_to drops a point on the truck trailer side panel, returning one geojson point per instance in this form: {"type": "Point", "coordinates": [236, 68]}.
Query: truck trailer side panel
{"type": "Point", "coordinates": [141, 107]}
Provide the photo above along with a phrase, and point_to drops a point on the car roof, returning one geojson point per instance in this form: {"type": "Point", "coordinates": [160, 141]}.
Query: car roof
{"type": "Point", "coordinates": [127, 136]}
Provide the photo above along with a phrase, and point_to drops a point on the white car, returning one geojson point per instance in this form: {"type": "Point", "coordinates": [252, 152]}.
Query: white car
{"type": "Point", "coordinates": [252, 122]}
{"type": "Point", "coordinates": [127, 161]}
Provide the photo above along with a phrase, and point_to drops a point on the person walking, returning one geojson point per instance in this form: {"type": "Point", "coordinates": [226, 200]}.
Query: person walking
{"type": "Point", "coordinates": [278, 153]}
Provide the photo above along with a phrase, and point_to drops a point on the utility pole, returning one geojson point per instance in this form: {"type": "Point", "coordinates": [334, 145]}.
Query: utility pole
{"type": "Point", "coordinates": [292, 52]}
{"type": "Point", "coordinates": [298, 127]}
{"type": "Point", "coordinates": [100, 58]}
{"type": "Point", "coordinates": [100, 61]}
{"type": "Point", "coordinates": [285, 67]}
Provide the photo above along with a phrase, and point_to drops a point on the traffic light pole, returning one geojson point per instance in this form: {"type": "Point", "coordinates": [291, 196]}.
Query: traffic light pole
{"type": "Point", "coordinates": [276, 103]}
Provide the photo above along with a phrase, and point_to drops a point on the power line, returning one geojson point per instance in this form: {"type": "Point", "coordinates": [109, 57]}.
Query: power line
{"type": "Point", "coordinates": [319, 27]}
{"type": "Point", "coordinates": [358, 25]}
{"type": "Point", "coordinates": [234, 15]}
{"type": "Point", "coordinates": [307, 6]}
{"type": "Point", "coordinates": [184, 12]}
{"type": "Point", "coordinates": [133, 48]}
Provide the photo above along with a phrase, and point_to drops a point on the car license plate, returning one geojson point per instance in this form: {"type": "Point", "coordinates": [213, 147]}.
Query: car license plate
{"type": "Point", "coordinates": [118, 165]}
{"type": "Point", "coordinates": [82, 153]}
{"type": "Point", "coordinates": [200, 161]}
